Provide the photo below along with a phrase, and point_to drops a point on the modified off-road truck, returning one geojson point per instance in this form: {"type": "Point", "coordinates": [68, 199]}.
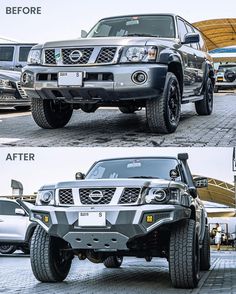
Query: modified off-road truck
{"type": "Point", "coordinates": [143, 207]}
{"type": "Point", "coordinates": [156, 61]}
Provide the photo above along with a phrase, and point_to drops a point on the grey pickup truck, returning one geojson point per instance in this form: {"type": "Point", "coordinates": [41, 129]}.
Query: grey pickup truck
{"type": "Point", "coordinates": [156, 61]}
{"type": "Point", "coordinates": [143, 207]}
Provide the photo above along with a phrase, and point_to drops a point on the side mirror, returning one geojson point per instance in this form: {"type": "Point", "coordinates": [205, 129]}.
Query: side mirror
{"type": "Point", "coordinates": [19, 211]}
{"type": "Point", "coordinates": [79, 176]}
{"type": "Point", "coordinates": [200, 182]}
{"type": "Point", "coordinates": [174, 173]}
{"type": "Point", "coordinates": [193, 192]}
{"type": "Point", "coordinates": [191, 38]}
{"type": "Point", "coordinates": [83, 34]}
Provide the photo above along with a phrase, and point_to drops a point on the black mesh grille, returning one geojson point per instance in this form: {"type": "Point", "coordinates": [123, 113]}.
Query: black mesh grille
{"type": "Point", "coordinates": [50, 56]}
{"type": "Point", "coordinates": [130, 195]}
{"type": "Point", "coordinates": [85, 55]}
{"type": "Point", "coordinates": [106, 55]}
{"type": "Point", "coordinates": [96, 196]}
{"type": "Point", "coordinates": [66, 196]}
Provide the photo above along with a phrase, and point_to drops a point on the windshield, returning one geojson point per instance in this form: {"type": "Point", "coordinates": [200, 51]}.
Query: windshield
{"type": "Point", "coordinates": [133, 168]}
{"type": "Point", "coordinates": [147, 25]}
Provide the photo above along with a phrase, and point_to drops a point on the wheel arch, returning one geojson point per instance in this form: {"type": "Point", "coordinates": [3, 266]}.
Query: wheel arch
{"type": "Point", "coordinates": [175, 67]}
{"type": "Point", "coordinates": [30, 231]}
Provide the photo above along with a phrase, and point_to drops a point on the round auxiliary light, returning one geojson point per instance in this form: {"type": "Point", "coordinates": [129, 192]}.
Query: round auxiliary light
{"type": "Point", "coordinates": [46, 196]}
{"type": "Point", "coordinates": [139, 77]}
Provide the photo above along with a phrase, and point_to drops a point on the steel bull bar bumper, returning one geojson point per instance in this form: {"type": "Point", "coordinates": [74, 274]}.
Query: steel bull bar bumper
{"type": "Point", "coordinates": [99, 83]}
{"type": "Point", "coordinates": [122, 223]}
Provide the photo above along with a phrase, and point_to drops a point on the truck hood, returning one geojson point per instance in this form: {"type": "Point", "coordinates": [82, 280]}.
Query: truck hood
{"type": "Point", "coordinates": [111, 41]}
{"type": "Point", "coordinates": [10, 75]}
{"type": "Point", "coordinates": [103, 183]}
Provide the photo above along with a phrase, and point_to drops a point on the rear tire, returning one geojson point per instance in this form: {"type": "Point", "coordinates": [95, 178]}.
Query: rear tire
{"type": "Point", "coordinates": [205, 106]}
{"type": "Point", "coordinates": [163, 113]}
{"type": "Point", "coordinates": [7, 249]}
{"type": "Point", "coordinates": [184, 255]}
{"type": "Point", "coordinates": [50, 115]}
{"type": "Point", "coordinates": [113, 261]}
{"type": "Point", "coordinates": [205, 258]}
{"type": "Point", "coordinates": [47, 260]}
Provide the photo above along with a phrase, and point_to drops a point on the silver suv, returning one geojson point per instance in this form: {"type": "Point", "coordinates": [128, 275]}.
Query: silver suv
{"type": "Point", "coordinates": [143, 207]}
{"type": "Point", "coordinates": [15, 227]}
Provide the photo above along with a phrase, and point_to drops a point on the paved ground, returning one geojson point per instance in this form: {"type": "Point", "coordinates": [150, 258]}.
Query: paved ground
{"type": "Point", "coordinates": [135, 276]}
{"type": "Point", "coordinates": [109, 127]}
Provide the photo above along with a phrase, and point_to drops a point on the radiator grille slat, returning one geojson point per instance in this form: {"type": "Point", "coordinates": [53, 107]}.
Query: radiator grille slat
{"type": "Point", "coordinates": [96, 196]}
{"type": "Point", "coordinates": [129, 195]}
{"type": "Point", "coordinates": [66, 196]}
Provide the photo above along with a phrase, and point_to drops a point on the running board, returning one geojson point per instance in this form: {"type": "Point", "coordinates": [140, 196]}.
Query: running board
{"type": "Point", "coordinates": [191, 99]}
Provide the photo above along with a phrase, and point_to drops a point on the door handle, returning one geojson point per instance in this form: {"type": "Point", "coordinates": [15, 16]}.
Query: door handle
{"type": "Point", "coordinates": [1, 220]}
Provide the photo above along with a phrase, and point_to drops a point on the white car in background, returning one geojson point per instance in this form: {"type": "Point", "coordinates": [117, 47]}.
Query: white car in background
{"type": "Point", "coordinates": [15, 227]}
{"type": "Point", "coordinates": [226, 77]}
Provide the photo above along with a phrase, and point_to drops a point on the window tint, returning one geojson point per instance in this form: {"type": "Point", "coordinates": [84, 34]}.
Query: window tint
{"type": "Point", "coordinates": [6, 53]}
{"type": "Point", "coordinates": [182, 29]}
{"type": "Point", "coordinates": [24, 52]}
{"type": "Point", "coordinates": [8, 208]}
{"type": "Point", "coordinates": [191, 30]}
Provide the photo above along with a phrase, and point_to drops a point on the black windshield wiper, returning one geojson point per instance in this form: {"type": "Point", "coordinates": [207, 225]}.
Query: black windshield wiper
{"type": "Point", "coordinates": [143, 177]}
{"type": "Point", "coordinates": [139, 35]}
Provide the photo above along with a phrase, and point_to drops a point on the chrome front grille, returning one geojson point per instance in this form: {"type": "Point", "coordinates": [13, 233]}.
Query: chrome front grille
{"type": "Point", "coordinates": [49, 56]}
{"type": "Point", "coordinates": [77, 56]}
{"type": "Point", "coordinates": [106, 55]}
{"type": "Point", "coordinates": [85, 55]}
{"type": "Point", "coordinates": [96, 196]}
{"type": "Point", "coordinates": [129, 195]}
{"type": "Point", "coordinates": [66, 196]}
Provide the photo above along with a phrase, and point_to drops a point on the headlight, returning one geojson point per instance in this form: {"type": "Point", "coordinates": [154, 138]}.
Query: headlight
{"type": "Point", "coordinates": [163, 195]}
{"type": "Point", "coordinates": [34, 56]}
{"type": "Point", "coordinates": [139, 54]}
{"type": "Point", "coordinates": [5, 84]}
{"type": "Point", "coordinates": [45, 197]}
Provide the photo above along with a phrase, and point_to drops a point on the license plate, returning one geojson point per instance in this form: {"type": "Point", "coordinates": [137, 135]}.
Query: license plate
{"type": "Point", "coordinates": [70, 79]}
{"type": "Point", "coordinates": [92, 219]}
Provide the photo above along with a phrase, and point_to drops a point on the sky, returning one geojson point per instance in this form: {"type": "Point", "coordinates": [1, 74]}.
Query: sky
{"type": "Point", "coordinates": [53, 165]}
{"type": "Point", "coordinates": [61, 19]}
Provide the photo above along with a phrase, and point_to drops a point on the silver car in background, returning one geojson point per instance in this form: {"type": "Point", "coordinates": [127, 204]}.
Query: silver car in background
{"type": "Point", "coordinates": [15, 227]}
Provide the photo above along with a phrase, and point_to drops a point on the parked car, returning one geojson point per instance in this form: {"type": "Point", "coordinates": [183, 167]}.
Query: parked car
{"type": "Point", "coordinates": [11, 92]}
{"type": "Point", "coordinates": [15, 227]}
{"type": "Point", "coordinates": [13, 56]}
{"type": "Point", "coordinates": [156, 61]}
{"type": "Point", "coordinates": [143, 207]}
{"type": "Point", "coordinates": [226, 77]}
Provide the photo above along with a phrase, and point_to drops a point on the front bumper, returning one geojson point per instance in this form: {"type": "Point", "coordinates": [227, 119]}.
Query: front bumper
{"type": "Point", "coordinates": [123, 224]}
{"type": "Point", "coordinates": [42, 82]}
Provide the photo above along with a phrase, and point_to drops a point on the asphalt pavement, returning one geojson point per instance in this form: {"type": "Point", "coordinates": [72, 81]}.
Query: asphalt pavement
{"type": "Point", "coordinates": [135, 276]}
{"type": "Point", "coordinates": [111, 128]}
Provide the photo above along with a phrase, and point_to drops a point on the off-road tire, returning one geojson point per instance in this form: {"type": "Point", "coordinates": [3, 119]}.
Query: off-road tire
{"type": "Point", "coordinates": [49, 114]}
{"type": "Point", "coordinates": [205, 257]}
{"type": "Point", "coordinates": [113, 261]}
{"type": "Point", "coordinates": [184, 255]}
{"type": "Point", "coordinates": [47, 261]}
{"type": "Point", "coordinates": [7, 249]}
{"type": "Point", "coordinates": [128, 109]}
{"type": "Point", "coordinates": [163, 113]}
{"type": "Point", "coordinates": [205, 106]}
